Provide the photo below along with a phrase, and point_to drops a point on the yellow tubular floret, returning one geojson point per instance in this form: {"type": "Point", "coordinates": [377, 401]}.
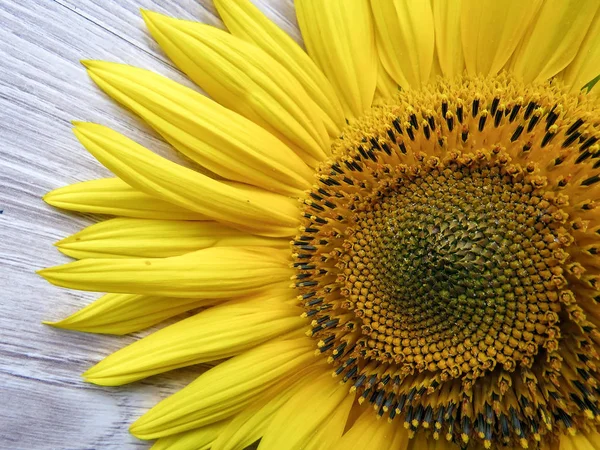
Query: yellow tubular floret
{"type": "Point", "coordinates": [125, 238]}
{"type": "Point", "coordinates": [225, 389]}
{"type": "Point", "coordinates": [586, 65]}
{"type": "Point", "coordinates": [245, 79]}
{"type": "Point", "coordinates": [198, 439]}
{"type": "Point", "coordinates": [115, 197]}
{"type": "Point", "coordinates": [339, 37]}
{"type": "Point", "coordinates": [209, 273]}
{"type": "Point", "coordinates": [216, 138]}
{"type": "Point", "coordinates": [243, 206]}
{"type": "Point", "coordinates": [299, 420]}
{"type": "Point", "coordinates": [219, 332]}
{"type": "Point", "coordinates": [553, 39]}
{"type": "Point", "coordinates": [245, 21]}
{"type": "Point", "coordinates": [405, 39]}
{"type": "Point", "coordinates": [126, 313]}
{"type": "Point", "coordinates": [491, 31]}
{"type": "Point", "coordinates": [446, 20]}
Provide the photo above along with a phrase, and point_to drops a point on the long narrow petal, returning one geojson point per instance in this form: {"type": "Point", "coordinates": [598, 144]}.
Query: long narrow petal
{"type": "Point", "coordinates": [210, 273]}
{"type": "Point", "coordinates": [405, 39]}
{"type": "Point", "coordinates": [245, 79]}
{"type": "Point", "coordinates": [339, 37]}
{"type": "Point", "coordinates": [553, 39]}
{"type": "Point", "coordinates": [198, 439]}
{"type": "Point", "coordinates": [220, 140]}
{"type": "Point", "coordinates": [586, 64]}
{"type": "Point", "coordinates": [328, 432]}
{"type": "Point", "coordinates": [246, 21]}
{"type": "Point", "coordinates": [491, 30]}
{"type": "Point", "coordinates": [145, 238]}
{"type": "Point", "coordinates": [589, 440]}
{"type": "Point", "coordinates": [249, 425]}
{"type": "Point", "coordinates": [245, 207]}
{"type": "Point", "coordinates": [446, 22]}
{"type": "Point", "coordinates": [225, 389]}
{"type": "Point", "coordinates": [386, 86]}
{"type": "Point", "coordinates": [324, 394]}
{"type": "Point", "coordinates": [368, 432]}
{"type": "Point", "coordinates": [115, 197]}
{"type": "Point", "coordinates": [126, 313]}
{"type": "Point", "coordinates": [216, 333]}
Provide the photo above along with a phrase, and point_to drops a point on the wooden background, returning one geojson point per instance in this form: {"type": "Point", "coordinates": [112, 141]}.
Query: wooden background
{"type": "Point", "coordinates": [43, 402]}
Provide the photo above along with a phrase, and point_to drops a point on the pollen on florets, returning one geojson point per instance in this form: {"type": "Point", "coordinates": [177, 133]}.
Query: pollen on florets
{"type": "Point", "coordinates": [447, 260]}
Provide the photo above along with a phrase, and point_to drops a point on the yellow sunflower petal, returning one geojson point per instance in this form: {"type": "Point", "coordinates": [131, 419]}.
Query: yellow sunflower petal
{"type": "Point", "coordinates": [586, 65]}
{"type": "Point", "coordinates": [198, 439]}
{"type": "Point", "coordinates": [405, 39]}
{"type": "Point", "coordinates": [580, 441]}
{"type": "Point", "coordinates": [245, 207]}
{"type": "Point", "coordinates": [115, 197]}
{"type": "Point", "coordinates": [249, 425]}
{"type": "Point", "coordinates": [368, 432]}
{"type": "Point", "coordinates": [125, 237]}
{"type": "Point", "coordinates": [210, 273]}
{"type": "Point", "coordinates": [245, 79]}
{"type": "Point", "coordinates": [324, 394]}
{"type": "Point", "coordinates": [245, 21]}
{"type": "Point", "coordinates": [446, 21]}
{"type": "Point", "coordinates": [329, 432]}
{"type": "Point", "coordinates": [553, 39]}
{"type": "Point", "coordinates": [339, 37]}
{"type": "Point", "coordinates": [386, 86]}
{"type": "Point", "coordinates": [491, 30]}
{"type": "Point", "coordinates": [225, 389]}
{"type": "Point", "coordinates": [126, 313]}
{"type": "Point", "coordinates": [219, 139]}
{"type": "Point", "coordinates": [216, 333]}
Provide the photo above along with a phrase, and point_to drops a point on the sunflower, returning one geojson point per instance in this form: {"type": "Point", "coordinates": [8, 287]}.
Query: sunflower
{"type": "Point", "coordinates": [427, 176]}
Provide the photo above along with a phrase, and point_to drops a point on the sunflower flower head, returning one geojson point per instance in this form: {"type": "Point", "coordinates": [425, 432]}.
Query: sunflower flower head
{"type": "Point", "coordinates": [435, 165]}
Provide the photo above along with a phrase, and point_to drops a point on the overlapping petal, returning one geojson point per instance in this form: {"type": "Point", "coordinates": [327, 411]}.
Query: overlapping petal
{"type": "Point", "coordinates": [553, 39]}
{"type": "Point", "coordinates": [243, 206]}
{"type": "Point", "coordinates": [245, 21]}
{"type": "Point", "coordinates": [198, 439]}
{"type": "Point", "coordinates": [146, 238]}
{"type": "Point", "coordinates": [491, 31]}
{"type": "Point", "coordinates": [245, 79]}
{"type": "Point", "coordinates": [219, 332]}
{"type": "Point", "coordinates": [218, 272]}
{"type": "Point", "coordinates": [369, 432]}
{"type": "Point", "coordinates": [446, 22]}
{"type": "Point", "coordinates": [300, 422]}
{"type": "Point", "coordinates": [339, 37]}
{"type": "Point", "coordinates": [405, 39]}
{"type": "Point", "coordinates": [126, 313]}
{"type": "Point", "coordinates": [225, 389]}
{"type": "Point", "coordinates": [249, 425]}
{"type": "Point", "coordinates": [586, 65]}
{"type": "Point", "coordinates": [219, 139]}
{"type": "Point", "coordinates": [115, 197]}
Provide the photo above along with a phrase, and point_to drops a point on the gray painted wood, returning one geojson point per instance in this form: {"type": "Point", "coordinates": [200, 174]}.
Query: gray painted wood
{"type": "Point", "coordinates": [43, 402]}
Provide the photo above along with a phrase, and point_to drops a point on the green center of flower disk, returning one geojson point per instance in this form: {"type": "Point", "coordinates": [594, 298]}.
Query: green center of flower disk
{"type": "Point", "coordinates": [443, 285]}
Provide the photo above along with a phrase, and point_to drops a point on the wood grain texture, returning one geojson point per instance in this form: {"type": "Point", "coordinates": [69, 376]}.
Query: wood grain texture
{"type": "Point", "coordinates": [43, 402]}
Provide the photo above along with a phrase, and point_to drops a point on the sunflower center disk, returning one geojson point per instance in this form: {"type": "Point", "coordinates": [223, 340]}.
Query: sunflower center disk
{"type": "Point", "coordinates": [447, 262]}
{"type": "Point", "coordinates": [453, 268]}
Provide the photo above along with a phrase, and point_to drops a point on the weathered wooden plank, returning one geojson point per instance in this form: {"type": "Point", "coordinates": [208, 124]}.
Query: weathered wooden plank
{"type": "Point", "coordinates": [42, 88]}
